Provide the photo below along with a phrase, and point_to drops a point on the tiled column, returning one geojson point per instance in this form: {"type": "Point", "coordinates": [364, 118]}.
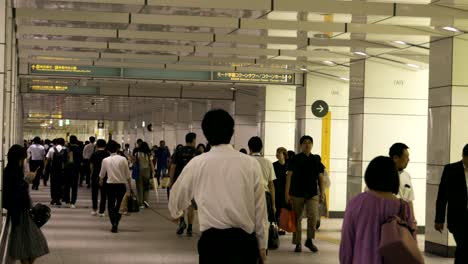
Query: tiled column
{"type": "Point", "coordinates": [278, 118]}
{"type": "Point", "coordinates": [447, 130]}
{"type": "Point", "coordinates": [246, 116]}
{"type": "Point", "coordinates": [3, 19]}
{"type": "Point", "coordinates": [198, 112]}
{"type": "Point", "coordinates": [387, 104]}
{"type": "Point", "coordinates": [335, 93]}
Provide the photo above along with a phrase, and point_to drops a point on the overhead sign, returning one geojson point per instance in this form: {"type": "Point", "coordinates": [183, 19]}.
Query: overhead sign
{"type": "Point", "coordinates": [157, 74]}
{"type": "Point", "coordinates": [254, 77]}
{"type": "Point", "coordinates": [320, 108]}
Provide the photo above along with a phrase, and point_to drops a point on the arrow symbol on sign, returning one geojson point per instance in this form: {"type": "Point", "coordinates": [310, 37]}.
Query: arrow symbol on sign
{"type": "Point", "coordinates": [320, 108]}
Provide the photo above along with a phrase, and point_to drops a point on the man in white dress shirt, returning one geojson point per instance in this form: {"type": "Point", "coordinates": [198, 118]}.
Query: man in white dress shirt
{"type": "Point", "coordinates": [118, 174]}
{"type": "Point", "coordinates": [228, 188]}
{"type": "Point", "coordinates": [36, 154]}
{"type": "Point", "coordinates": [268, 173]}
{"type": "Point", "coordinates": [400, 155]}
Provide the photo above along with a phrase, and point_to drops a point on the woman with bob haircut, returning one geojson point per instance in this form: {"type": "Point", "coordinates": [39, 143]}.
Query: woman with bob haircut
{"type": "Point", "coordinates": [368, 211]}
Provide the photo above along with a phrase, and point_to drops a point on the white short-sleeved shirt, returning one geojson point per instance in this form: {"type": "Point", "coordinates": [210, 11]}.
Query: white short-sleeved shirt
{"type": "Point", "coordinates": [50, 154]}
{"type": "Point", "coordinates": [36, 152]}
{"type": "Point", "coordinates": [406, 191]}
{"type": "Point", "coordinates": [268, 172]}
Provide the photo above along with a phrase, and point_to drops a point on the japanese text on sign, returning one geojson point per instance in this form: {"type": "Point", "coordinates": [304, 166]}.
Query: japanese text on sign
{"type": "Point", "coordinates": [254, 77]}
{"type": "Point", "coordinates": [58, 68]}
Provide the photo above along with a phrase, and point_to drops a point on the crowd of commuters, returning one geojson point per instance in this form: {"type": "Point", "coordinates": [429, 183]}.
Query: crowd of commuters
{"type": "Point", "coordinates": [237, 194]}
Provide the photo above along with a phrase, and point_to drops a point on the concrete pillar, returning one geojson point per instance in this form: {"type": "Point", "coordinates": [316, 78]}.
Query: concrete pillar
{"type": "Point", "coordinates": [447, 130]}
{"type": "Point", "coordinates": [387, 104]}
{"type": "Point", "coordinates": [3, 29]}
{"type": "Point", "coordinates": [198, 110]}
{"type": "Point", "coordinates": [278, 118]}
{"type": "Point", "coordinates": [246, 111]}
{"type": "Point", "coordinates": [335, 93]}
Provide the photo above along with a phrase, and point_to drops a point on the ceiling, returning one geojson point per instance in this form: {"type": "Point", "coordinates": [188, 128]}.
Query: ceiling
{"type": "Point", "coordinates": [272, 36]}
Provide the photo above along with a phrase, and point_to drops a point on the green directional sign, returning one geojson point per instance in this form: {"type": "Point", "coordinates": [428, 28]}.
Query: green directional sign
{"type": "Point", "coordinates": [74, 70]}
{"type": "Point", "coordinates": [254, 77]}
{"type": "Point", "coordinates": [158, 74]}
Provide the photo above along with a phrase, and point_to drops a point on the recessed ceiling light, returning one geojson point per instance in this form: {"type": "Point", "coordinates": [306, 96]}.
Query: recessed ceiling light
{"type": "Point", "coordinates": [329, 62]}
{"type": "Point", "coordinates": [413, 65]}
{"type": "Point", "coordinates": [360, 53]}
{"type": "Point", "coordinates": [400, 42]}
{"type": "Point", "coordinates": [344, 79]}
{"type": "Point", "coordinates": [304, 69]}
{"type": "Point", "coordinates": [232, 88]}
{"type": "Point", "coordinates": [451, 29]}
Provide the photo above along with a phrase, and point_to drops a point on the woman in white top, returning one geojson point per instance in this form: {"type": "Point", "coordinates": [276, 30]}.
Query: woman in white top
{"type": "Point", "coordinates": [118, 174]}
{"type": "Point", "coordinates": [146, 171]}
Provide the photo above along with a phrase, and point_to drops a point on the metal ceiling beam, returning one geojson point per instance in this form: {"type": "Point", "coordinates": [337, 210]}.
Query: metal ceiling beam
{"type": "Point", "coordinates": [62, 43]}
{"type": "Point", "coordinates": [102, 46]}
{"type": "Point", "coordinates": [66, 31]}
{"type": "Point", "coordinates": [151, 47]}
{"type": "Point", "coordinates": [164, 58]}
{"type": "Point", "coordinates": [120, 2]}
{"type": "Point", "coordinates": [324, 7]}
{"type": "Point", "coordinates": [25, 53]}
{"type": "Point", "coordinates": [176, 20]}
{"type": "Point", "coordinates": [238, 4]}
{"type": "Point", "coordinates": [62, 15]}
{"type": "Point", "coordinates": [141, 65]}
{"type": "Point", "coordinates": [152, 35]}
{"type": "Point", "coordinates": [228, 22]}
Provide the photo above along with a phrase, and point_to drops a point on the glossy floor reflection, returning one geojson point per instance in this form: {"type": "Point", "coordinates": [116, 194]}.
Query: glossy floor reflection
{"type": "Point", "coordinates": [75, 236]}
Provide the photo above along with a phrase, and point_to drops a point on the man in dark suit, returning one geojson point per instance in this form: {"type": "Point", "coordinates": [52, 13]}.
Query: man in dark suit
{"type": "Point", "coordinates": [453, 190]}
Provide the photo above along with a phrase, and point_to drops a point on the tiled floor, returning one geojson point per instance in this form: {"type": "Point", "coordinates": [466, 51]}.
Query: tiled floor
{"type": "Point", "coordinates": [75, 236]}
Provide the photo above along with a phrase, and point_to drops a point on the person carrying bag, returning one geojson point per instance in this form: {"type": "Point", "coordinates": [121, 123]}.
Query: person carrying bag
{"type": "Point", "coordinates": [398, 242]}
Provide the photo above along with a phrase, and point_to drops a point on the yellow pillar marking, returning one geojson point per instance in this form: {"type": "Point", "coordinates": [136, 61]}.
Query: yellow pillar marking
{"type": "Point", "coordinates": [326, 135]}
{"type": "Point", "coordinates": [328, 18]}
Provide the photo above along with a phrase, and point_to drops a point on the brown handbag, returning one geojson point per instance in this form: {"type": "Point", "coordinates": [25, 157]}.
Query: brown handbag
{"type": "Point", "coordinates": [397, 243]}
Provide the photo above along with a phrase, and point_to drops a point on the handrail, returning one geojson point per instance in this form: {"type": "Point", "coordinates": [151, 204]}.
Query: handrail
{"type": "Point", "coordinates": [5, 240]}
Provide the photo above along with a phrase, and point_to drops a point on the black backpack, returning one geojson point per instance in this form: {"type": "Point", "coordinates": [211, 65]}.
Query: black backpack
{"type": "Point", "coordinates": [58, 160]}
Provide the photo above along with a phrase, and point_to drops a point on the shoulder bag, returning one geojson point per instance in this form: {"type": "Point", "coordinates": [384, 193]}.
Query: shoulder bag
{"type": "Point", "coordinates": [397, 243]}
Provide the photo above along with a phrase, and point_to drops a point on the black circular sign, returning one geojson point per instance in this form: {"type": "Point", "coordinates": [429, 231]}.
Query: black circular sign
{"type": "Point", "coordinates": [320, 108]}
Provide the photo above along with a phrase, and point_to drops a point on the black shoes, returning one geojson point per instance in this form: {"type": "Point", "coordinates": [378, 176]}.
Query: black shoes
{"type": "Point", "coordinates": [114, 229]}
{"type": "Point", "coordinates": [298, 248]}
{"type": "Point", "coordinates": [189, 231]}
{"type": "Point", "coordinates": [181, 228]}
{"type": "Point", "coordinates": [310, 245]}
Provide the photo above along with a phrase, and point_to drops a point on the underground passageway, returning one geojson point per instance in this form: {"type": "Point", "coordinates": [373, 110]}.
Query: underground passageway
{"type": "Point", "coordinates": [75, 236]}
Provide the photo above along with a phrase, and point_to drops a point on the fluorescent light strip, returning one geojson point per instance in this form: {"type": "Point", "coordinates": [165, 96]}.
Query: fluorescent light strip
{"type": "Point", "coordinates": [344, 79]}
{"type": "Point", "coordinates": [400, 42]}
{"type": "Point", "coordinates": [329, 63]}
{"type": "Point", "coordinates": [451, 29]}
{"type": "Point", "coordinates": [413, 66]}
{"type": "Point", "coordinates": [360, 53]}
